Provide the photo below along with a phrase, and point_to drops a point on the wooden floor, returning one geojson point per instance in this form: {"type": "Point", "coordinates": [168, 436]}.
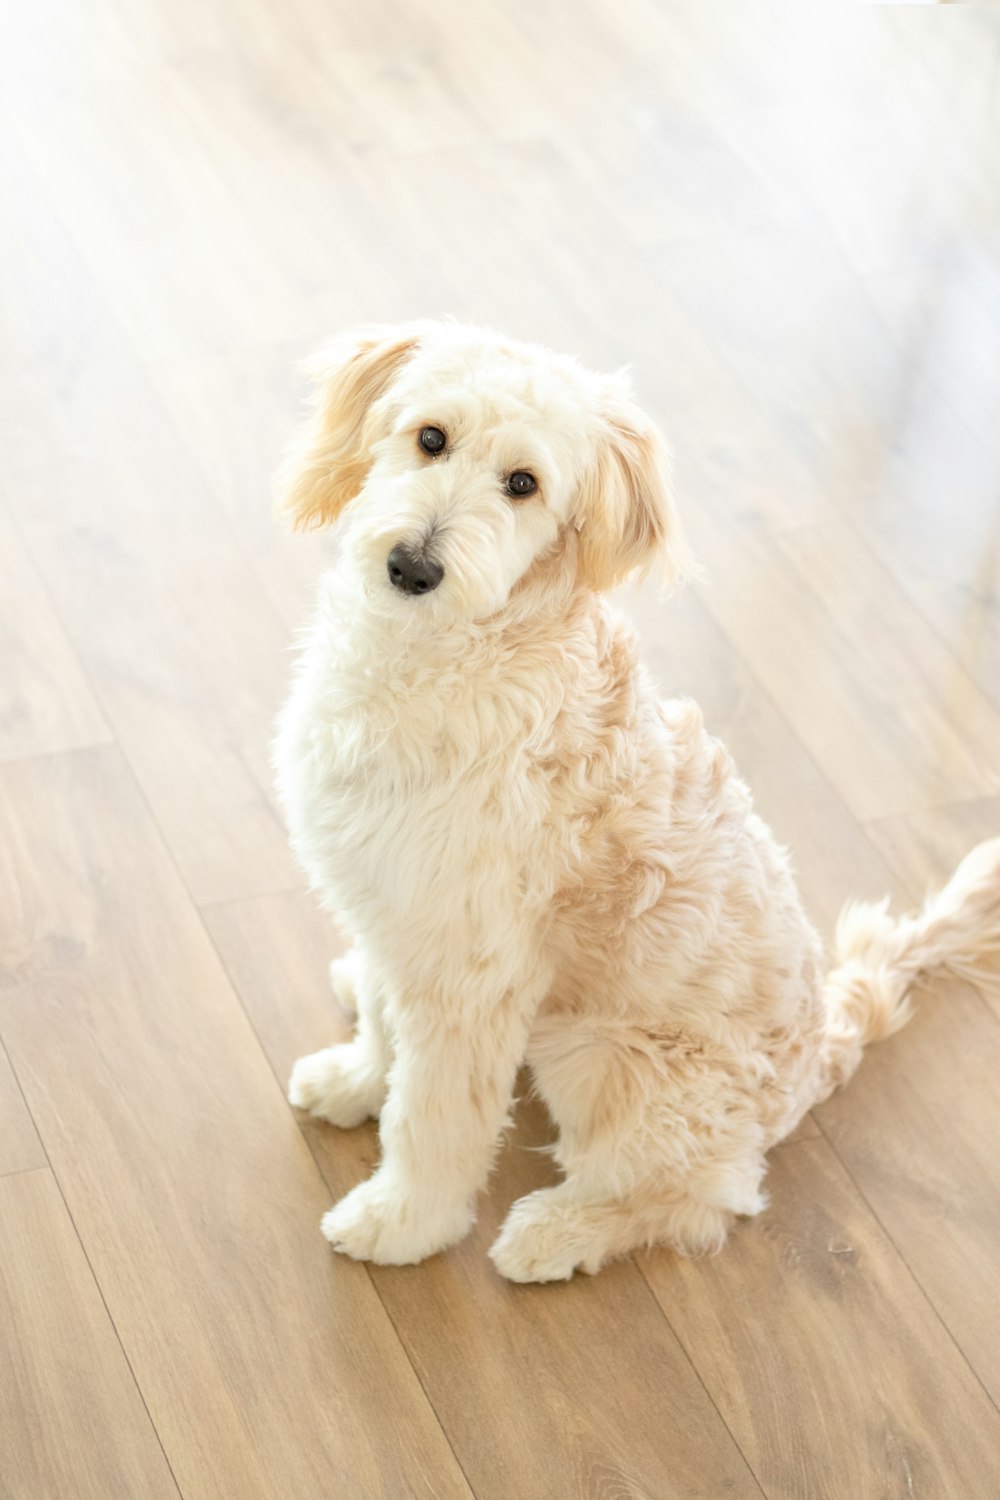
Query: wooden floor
{"type": "Point", "coordinates": [789, 223]}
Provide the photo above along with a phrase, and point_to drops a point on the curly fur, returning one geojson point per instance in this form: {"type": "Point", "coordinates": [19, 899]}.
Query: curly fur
{"type": "Point", "coordinates": [536, 858]}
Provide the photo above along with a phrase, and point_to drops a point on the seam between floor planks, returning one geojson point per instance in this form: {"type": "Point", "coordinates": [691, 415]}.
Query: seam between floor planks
{"type": "Point", "coordinates": [50, 1171]}
{"type": "Point", "coordinates": [928, 1300]}
{"type": "Point", "coordinates": [170, 861]}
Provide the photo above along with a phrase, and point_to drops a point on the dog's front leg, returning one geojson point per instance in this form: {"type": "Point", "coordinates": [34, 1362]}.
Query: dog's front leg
{"type": "Point", "coordinates": [450, 1087]}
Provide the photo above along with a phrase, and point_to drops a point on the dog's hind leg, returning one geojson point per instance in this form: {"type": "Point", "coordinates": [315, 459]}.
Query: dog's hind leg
{"type": "Point", "coordinates": [552, 1233]}
{"type": "Point", "coordinates": [347, 1083]}
{"type": "Point", "coordinates": [657, 1145]}
{"type": "Point", "coordinates": [576, 1227]}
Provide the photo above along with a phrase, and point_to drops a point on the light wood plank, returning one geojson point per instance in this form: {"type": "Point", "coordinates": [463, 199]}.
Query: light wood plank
{"type": "Point", "coordinates": [932, 516]}
{"type": "Point", "coordinates": [872, 417]}
{"type": "Point", "coordinates": [143, 224]}
{"type": "Point", "coordinates": [872, 613]}
{"type": "Point", "coordinates": [510, 1370]}
{"type": "Point", "coordinates": [865, 684]}
{"type": "Point", "coordinates": [237, 413]}
{"type": "Point", "coordinates": [843, 80]}
{"type": "Point", "coordinates": [45, 701]}
{"type": "Point", "coordinates": [948, 317]}
{"type": "Point", "coordinates": [785, 315]}
{"type": "Point", "coordinates": [917, 1129]}
{"type": "Point", "coordinates": [20, 1148]}
{"type": "Point", "coordinates": [267, 1367]}
{"type": "Point", "coordinates": [835, 1375]}
{"type": "Point", "coordinates": [715, 197]}
{"type": "Point", "coordinates": [72, 1421]}
{"type": "Point", "coordinates": [334, 105]}
{"type": "Point", "coordinates": [171, 623]}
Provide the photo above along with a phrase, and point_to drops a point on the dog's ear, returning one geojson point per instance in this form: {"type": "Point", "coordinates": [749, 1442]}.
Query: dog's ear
{"type": "Point", "coordinates": [328, 461]}
{"type": "Point", "coordinates": [625, 516]}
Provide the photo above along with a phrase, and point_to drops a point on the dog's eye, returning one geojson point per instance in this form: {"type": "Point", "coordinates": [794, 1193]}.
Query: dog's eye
{"type": "Point", "coordinates": [432, 440]}
{"type": "Point", "coordinates": [521, 484]}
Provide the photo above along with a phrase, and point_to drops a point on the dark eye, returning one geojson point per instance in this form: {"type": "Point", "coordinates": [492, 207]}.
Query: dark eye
{"type": "Point", "coordinates": [432, 440]}
{"type": "Point", "coordinates": [521, 484]}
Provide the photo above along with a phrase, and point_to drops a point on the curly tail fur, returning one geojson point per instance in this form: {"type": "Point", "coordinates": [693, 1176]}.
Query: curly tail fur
{"type": "Point", "coordinates": [880, 957]}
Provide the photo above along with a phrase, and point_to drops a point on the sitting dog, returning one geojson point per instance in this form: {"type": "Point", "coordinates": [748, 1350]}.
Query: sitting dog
{"type": "Point", "coordinates": [536, 858]}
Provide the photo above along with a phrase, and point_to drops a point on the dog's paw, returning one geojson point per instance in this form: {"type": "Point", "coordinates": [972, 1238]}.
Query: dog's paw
{"type": "Point", "coordinates": [375, 1223]}
{"type": "Point", "coordinates": [335, 1085]}
{"type": "Point", "coordinates": [546, 1237]}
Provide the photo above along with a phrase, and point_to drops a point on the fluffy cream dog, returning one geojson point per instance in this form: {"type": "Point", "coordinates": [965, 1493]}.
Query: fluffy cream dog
{"type": "Point", "coordinates": [537, 858]}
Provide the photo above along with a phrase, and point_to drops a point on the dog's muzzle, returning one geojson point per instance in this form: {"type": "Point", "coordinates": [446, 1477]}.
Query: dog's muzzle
{"type": "Point", "coordinates": [411, 572]}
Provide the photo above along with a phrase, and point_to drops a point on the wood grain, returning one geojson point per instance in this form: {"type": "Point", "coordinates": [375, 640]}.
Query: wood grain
{"type": "Point", "coordinates": [951, 315]}
{"type": "Point", "coordinates": [866, 685]}
{"type": "Point", "coordinates": [917, 1129]}
{"type": "Point", "coordinates": [72, 1421]}
{"type": "Point", "coordinates": [266, 1365]}
{"type": "Point", "coordinates": [45, 701]}
{"type": "Point", "coordinates": [236, 413]}
{"type": "Point", "coordinates": [20, 1148]}
{"type": "Point", "coordinates": [926, 845]}
{"type": "Point", "coordinates": [835, 1376]}
{"type": "Point", "coordinates": [167, 616]}
{"type": "Point", "coordinates": [933, 518]}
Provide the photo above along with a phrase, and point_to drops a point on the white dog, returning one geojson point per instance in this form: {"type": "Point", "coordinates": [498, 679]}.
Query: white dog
{"type": "Point", "coordinates": [536, 858]}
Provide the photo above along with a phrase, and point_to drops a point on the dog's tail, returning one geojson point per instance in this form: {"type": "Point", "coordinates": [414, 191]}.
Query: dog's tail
{"type": "Point", "coordinates": [879, 958]}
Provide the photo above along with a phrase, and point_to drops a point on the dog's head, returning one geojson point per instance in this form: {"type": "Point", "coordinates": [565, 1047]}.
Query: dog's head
{"type": "Point", "coordinates": [463, 461]}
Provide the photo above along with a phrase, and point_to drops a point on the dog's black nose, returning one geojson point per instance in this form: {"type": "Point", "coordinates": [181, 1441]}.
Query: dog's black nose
{"type": "Point", "coordinates": [411, 573]}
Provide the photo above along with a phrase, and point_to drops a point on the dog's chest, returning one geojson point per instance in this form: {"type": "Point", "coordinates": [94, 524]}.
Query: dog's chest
{"type": "Point", "coordinates": [391, 794]}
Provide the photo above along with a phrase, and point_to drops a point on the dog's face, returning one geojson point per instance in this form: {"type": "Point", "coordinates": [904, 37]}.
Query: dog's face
{"type": "Point", "coordinates": [461, 460]}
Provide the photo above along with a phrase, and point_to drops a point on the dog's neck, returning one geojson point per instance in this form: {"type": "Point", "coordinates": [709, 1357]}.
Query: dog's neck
{"type": "Point", "coordinates": [468, 689]}
{"type": "Point", "coordinates": [432, 707]}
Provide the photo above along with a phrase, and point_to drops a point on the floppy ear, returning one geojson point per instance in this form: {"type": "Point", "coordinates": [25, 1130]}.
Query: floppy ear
{"type": "Point", "coordinates": [327, 463]}
{"type": "Point", "coordinates": [625, 515]}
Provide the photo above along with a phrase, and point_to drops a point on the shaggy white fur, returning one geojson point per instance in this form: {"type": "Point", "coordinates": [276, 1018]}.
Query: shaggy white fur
{"type": "Point", "coordinates": [537, 858]}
